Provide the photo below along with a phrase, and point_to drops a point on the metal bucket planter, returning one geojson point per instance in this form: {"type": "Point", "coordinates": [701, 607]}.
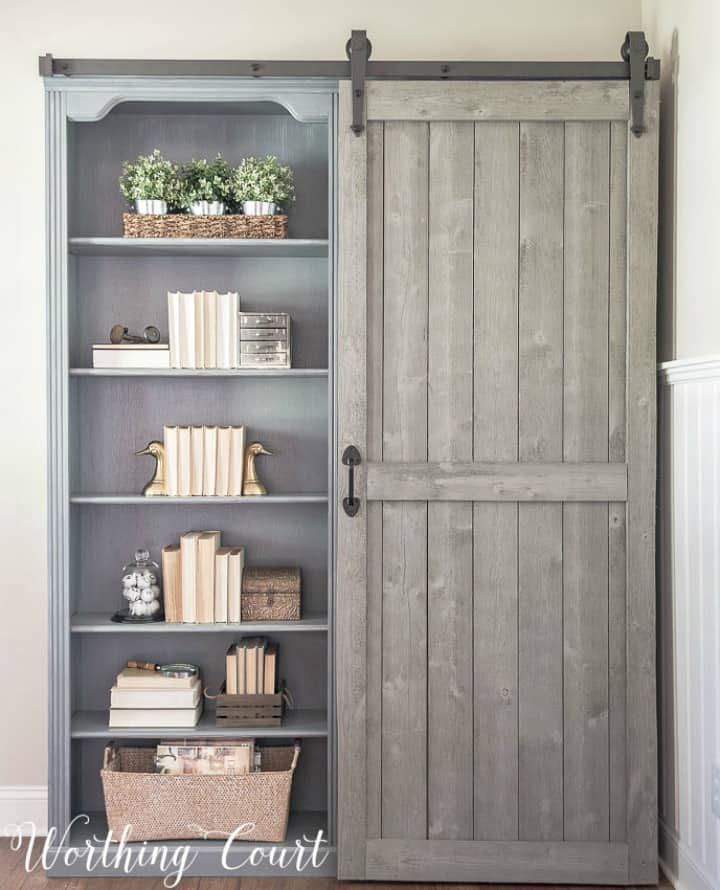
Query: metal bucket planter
{"type": "Point", "coordinates": [151, 207]}
{"type": "Point", "coordinates": [207, 208]}
{"type": "Point", "coordinates": [259, 208]}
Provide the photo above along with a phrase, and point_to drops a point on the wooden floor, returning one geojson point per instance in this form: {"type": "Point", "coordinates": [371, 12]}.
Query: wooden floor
{"type": "Point", "coordinates": [14, 877]}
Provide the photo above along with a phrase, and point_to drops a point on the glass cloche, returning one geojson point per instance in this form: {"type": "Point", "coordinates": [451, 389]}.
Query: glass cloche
{"type": "Point", "coordinates": [141, 594]}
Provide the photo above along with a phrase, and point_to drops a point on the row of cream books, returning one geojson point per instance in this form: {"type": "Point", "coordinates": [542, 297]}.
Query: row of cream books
{"type": "Point", "coordinates": [204, 329]}
{"type": "Point", "coordinates": [142, 699]}
{"type": "Point", "coordinates": [207, 758]}
{"type": "Point", "coordinates": [202, 580]}
{"type": "Point", "coordinates": [204, 460]}
{"type": "Point", "coordinates": [251, 667]}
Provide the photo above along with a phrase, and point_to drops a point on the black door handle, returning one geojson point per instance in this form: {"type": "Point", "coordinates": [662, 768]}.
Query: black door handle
{"type": "Point", "coordinates": [351, 459]}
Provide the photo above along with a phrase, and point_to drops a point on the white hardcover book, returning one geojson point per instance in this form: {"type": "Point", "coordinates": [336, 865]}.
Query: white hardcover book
{"type": "Point", "coordinates": [210, 328]}
{"type": "Point", "coordinates": [170, 441]}
{"type": "Point", "coordinates": [174, 328]}
{"type": "Point", "coordinates": [199, 298]}
{"type": "Point", "coordinates": [236, 564]}
{"type": "Point", "coordinates": [155, 698]}
{"type": "Point", "coordinates": [197, 437]}
{"type": "Point", "coordinates": [222, 558]}
{"type": "Point", "coordinates": [222, 464]}
{"type": "Point", "coordinates": [222, 344]}
{"type": "Point", "coordinates": [234, 330]}
{"type": "Point", "coordinates": [139, 355]}
{"type": "Point", "coordinates": [184, 461]}
{"type": "Point", "coordinates": [187, 330]}
{"type": "Point", "coordinates": [209, 460]}
{"type": "Point", "coordinates": [149, 718]}
{"type": "Point", "coordinates": [188, 570]}
{"type": "Point", "coordinates": [237, 458]}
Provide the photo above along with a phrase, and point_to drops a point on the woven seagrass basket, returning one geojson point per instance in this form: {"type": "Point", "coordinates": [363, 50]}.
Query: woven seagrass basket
{"type": "Point", "coordinates": [185, 225]}
{"type": "Point", "coordinates": [155, 806]}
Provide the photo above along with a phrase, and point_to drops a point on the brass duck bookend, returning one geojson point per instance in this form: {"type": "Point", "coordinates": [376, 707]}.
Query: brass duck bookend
{"type": "Point", "coordinates": [156, 486]}
{"type": "Point", "coordinates": [251, 483]}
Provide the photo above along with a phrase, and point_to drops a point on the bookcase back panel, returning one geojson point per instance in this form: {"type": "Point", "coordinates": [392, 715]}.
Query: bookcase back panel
{"type": "Point", "coordinates": [98, 149]}
{"type": "Point", "coordinates": [117, 417]}
{"type": "Point", "coordinates": [309, 788]}
{"type": "Point", "coordinates": [105, 537]}
{"type": "Point", "coordinates": [133, 291]}
{"type": "Point", "coordinates": [97, 659]}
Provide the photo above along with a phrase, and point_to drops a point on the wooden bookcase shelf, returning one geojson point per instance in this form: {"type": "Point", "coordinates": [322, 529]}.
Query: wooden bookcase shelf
{"type": "Point", "coordinates": [100, 417]}
{"type": "Point", "coordinates": [228, 247]}
{"type": "Point", "coordinates": [287, 499]}
{"type": "Point", "coordinates": [99, 622]}
{"type": "Point", "coordinates": [298, 723]}
{"type": "Point", "coordinates": [289, 373]}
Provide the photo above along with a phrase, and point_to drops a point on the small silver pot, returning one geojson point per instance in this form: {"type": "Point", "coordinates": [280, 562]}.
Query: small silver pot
{"type": "Point", "coordinates": [259, 208]}
{"type": "Point", "coordinates": [207, 208]}
{"type": "Point", "coordinates": [159, 208]}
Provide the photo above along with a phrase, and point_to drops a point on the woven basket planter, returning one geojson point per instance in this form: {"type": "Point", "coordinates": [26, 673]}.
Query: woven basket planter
{"type": "Point", "coordinates": [185, 225]}
{"type": "Point", "coordinates": [154, 806]}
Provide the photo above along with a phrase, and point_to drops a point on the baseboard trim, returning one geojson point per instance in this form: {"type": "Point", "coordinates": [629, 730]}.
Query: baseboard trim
{"type": "Point", "coordinates": [687, 370]}
{"type": "Point", "coordinates": [22, 804]}
{"type": "Point", "coordinates": [677, 862]}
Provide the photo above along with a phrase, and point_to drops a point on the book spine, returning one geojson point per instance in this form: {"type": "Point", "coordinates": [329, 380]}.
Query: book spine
{"type": "Point", "coordinates": [221, 588]}
{"type": "Point", "coordinates": [209, 460]}
{"type": "Point", "coordinates": [197, 436]}
{"type": "Point", "coordinates": [237, 458]}
{"type": "Point", "coordinates": [184, 460]}
{"type": "Point", "coordinates": [174, 329]}
{"type": "Point", "coordinates": [199, 305]}
{"type": "Point", "coordinates": [222, 466]}
{"type": "Point", "coordinates": [170, 441]}
{"type": "Point", "coordinates": [223, 333]}
{"type": "Point", "coordinates": [172, 584]}
{"type": "Point", "coordinates": [210, 328]}
{"type": "Point", "coordinates": [235, 573]}
{"type": "Point", "coordinates": [187, 330]}
{"type": "Point", "coordinates": [234, 330]}
{"type": "Point", "coordinates": [188, 562]}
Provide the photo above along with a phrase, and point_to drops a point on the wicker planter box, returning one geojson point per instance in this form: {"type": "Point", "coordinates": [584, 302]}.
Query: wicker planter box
{"type": "Point", "coordinates": [165, 807]}
{"type": "Point", "coordinates": [185, 225]}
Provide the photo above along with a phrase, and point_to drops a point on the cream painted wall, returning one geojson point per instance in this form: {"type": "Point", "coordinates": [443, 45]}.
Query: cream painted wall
{"type": "Point", "coordinates": [403, 29]}
{"type": "Point", "coordinates": [685, 34]}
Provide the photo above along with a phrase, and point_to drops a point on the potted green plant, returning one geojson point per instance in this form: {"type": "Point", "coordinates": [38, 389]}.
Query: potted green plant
{"type": "Point", "coordinates": [205, 186]}
{"type": "Point", "coordinates": [150, 183]}
{"type": "Point", "coordinates": [260, 185]}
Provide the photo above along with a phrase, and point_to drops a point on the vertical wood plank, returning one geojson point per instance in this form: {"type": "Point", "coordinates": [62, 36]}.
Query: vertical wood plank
{"type": "Point", "coordinates": [640, 450]}
{"type": "Point", "coordinates": [450, 438]}
{"type": "Point", "coordinates": [375, 135]}
{"type": "Point", "coordinates": [350, 621]}
{"type": "Point", "coordinates": [405, 395]}
{"type": "Point", "coordinates": [585, 526]}
{"type": "Point", "coordinates": [540, 298]}
{"type": "Point", "coordinates": [617, 336]}
{"type": "Point", "coordinates": [495, 438]}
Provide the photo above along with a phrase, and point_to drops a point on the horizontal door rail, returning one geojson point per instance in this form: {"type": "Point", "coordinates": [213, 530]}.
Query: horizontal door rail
{"type": "Point", "coordinates": [340, 70]}
{"type": "Point", "coordinates": [557, 862]}
{"type": "Point", "coordinates": [496, 482]}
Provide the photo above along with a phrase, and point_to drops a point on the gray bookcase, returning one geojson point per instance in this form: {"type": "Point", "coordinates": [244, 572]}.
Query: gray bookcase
{"type": "Point", "coordinates": [98, 418]}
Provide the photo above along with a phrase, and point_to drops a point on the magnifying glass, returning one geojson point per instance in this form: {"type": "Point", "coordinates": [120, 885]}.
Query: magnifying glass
{"type": "Point", "coordinates": [178, 669]}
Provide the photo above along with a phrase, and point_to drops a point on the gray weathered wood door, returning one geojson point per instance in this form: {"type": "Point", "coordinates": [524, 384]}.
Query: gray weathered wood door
{"type": "Point", "coordinates": [495, 591]}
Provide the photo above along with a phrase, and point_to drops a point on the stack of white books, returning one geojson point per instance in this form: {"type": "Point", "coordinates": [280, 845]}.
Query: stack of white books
{"type": "Point", "coordinates": [204, 460]}
{"type": "Point", "coordinates": [146, 699]}
{"type": "Point", "coordinates": [131, 355]}
{"type": "Point", "coordinates": [204, 329]}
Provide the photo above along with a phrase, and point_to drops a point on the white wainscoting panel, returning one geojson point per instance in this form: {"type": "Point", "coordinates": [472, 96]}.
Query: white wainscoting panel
{"type": "Point", "coordinates": [689, 619]}
{"type": "Point", "coordinates": [21, 805]}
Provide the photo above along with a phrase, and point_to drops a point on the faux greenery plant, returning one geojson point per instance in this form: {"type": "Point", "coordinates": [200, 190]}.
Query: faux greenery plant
{"type": "Point", "coordinates": [205, 181]}
{"type": "Point", "coordinates": [150, 178]}
{"type": "Point", "coordinates": [258, 179]}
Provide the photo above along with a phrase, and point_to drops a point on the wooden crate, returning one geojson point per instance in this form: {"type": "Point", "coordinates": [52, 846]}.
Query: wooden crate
{"type": "Point", "coordinates": [248, 710]}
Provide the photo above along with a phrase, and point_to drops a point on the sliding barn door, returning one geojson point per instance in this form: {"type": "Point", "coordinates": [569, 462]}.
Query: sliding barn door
{"type": "Point", "coordinates": [495, 589]}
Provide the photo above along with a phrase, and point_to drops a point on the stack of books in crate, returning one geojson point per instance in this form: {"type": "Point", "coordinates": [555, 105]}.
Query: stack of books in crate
{"type": "Point", "coordinates": [144, 699]}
